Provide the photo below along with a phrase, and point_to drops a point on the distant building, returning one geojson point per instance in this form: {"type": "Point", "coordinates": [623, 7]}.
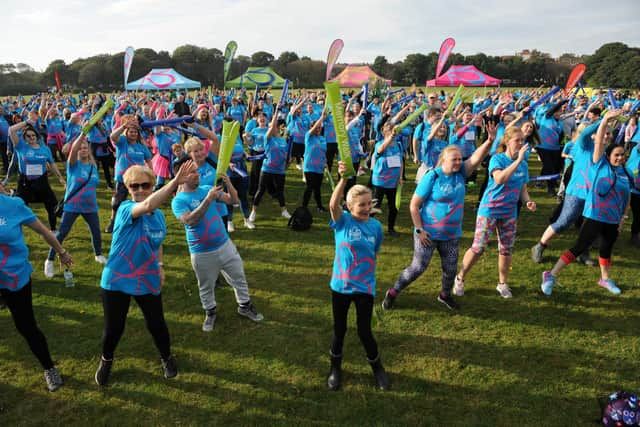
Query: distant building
{"type": "Point", "coordinates": [527, 54]}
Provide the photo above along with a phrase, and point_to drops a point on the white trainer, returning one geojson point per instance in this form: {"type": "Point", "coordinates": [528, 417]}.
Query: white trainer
{"type": "Point", "coordinates": [49, 269]}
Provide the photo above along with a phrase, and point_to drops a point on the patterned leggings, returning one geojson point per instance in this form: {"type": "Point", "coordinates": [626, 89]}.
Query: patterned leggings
{"type": "Point", "coordinates": [448, 250]}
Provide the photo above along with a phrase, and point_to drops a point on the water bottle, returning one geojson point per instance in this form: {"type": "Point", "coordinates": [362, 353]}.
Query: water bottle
{"type": "Point", "coordinates": [68, 278]}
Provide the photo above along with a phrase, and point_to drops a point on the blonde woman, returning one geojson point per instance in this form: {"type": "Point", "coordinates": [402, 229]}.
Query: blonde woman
{"type": "Point", "coordinates": [80, 199]}
{"type": "Point", "coordinates": [135, 267]}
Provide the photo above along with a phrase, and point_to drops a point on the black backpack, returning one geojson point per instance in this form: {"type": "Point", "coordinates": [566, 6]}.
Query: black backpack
{"type": "Point", "coordinates": [301, 219]}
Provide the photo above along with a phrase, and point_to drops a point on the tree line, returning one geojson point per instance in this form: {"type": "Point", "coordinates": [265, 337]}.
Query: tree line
{"type": "Point", "coordinates": [612, 65]}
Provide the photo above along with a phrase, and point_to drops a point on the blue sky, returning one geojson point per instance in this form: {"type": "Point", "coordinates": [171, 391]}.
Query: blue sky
{"type": "Point", "coordinates": [42, 31]}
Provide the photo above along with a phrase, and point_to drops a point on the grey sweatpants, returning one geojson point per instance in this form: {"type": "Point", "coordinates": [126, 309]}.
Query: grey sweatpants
{"type": "Point", "coordinates": [209, 265]}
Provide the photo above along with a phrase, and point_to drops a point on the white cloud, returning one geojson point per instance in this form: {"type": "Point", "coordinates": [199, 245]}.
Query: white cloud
{"type": "Point", "coordinates": [44, 31]}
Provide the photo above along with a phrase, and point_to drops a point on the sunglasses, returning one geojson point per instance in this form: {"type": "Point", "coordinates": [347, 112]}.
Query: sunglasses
{"type": "Point", "coordinates": [135, 186]}
{"type": "Point", "coordinates": [30, 135]}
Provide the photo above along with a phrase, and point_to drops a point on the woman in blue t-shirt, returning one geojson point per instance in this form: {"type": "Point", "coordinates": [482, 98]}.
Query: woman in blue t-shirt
{"type": "Point", "coordinates": [508, 176]}
{"type": "Point", "coordinates": [606, 202]}
{"type": "Point", "coordinates": [358, 239]}
{"type": "Point", "coordinates": [273, 171]}
{"type": "Point", "coordinates": [387, 171]}
{"type": "Point", "coordinates": [15, 277]}
{"type": "Point", "coordinates": [315, 160]}
{"type": "Point", "coordinates": [633, 167]}
{"type": "Point", "coordinates": [34, 163]}
{"type": "Point", "coordinates": [437, 207]}
{"type": "Point", "coordinates": [80, 199]}
{"type": "Point", "coordinates": [135, 268]}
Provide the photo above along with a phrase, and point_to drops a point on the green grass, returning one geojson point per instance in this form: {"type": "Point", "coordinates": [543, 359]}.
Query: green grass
{"type": "Point", "coordinates": [531, 360]}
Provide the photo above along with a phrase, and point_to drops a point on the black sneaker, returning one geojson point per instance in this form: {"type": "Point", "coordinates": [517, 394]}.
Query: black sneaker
{"type": "Point", "coordinates": [321, 209]}
{"type": "Point", "coordinates": [103, 372]}
{"type": "Point", "coordinates": [109, 228]}
{"type": "Point", "coordinates": [387, 303]}
{"type": "Point", "coordinates": [53, 379]}
{"type": "Point", "coordinates": [170, 367]}
{"type": "Point", "coordinates": [209, 320]}
{"type": "Point", "coordinates": [448, 301]}
{"type": "Point", "coordinates": [3, 304]}
{"type": "Point", "coordinates": [249, 310]}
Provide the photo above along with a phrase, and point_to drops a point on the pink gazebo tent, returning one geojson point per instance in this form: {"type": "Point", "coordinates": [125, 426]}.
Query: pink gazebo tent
{"type": "Point", "coordinates": [467, 75]}
{"type": "Point", "coordinates": [356, 76]}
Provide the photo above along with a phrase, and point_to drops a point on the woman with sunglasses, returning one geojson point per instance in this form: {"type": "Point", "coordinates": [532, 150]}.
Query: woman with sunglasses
{"type": "Point", "coordinates": [135, 267]}
{"type": "Point", "coordinates": [609, 186]}
{"type": "Point", "coordinates": [34, 163]}
{"type": "Point", "coordinates": [15, 278]}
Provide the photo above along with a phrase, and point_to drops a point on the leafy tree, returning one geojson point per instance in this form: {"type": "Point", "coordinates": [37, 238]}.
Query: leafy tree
{"type": "Point", "coordinates": [261, 59]}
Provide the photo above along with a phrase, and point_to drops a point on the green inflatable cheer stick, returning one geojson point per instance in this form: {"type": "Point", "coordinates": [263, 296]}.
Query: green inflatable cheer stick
{"type": "Point", "coordinates": [97, 116]}
{"type": "Point", "coordinates": [230, 131]}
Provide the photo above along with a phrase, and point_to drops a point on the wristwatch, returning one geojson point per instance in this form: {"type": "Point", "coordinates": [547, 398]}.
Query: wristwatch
{"type": "Point", "coordinates": [418, 230]}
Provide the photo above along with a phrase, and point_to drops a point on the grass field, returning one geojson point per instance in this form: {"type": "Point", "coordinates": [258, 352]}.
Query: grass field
{"type": "Point", "coordinates": [531, 360]}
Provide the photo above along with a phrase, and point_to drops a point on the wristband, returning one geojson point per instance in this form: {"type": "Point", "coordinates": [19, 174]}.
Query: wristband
{"type": "Point", "coordinates": [418, 230]}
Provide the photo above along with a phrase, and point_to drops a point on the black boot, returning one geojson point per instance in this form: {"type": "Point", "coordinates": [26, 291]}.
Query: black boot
{"type": "Point", "coordinates": [334, 380]}
{"type": "Point", "coordinates": [382, 380]}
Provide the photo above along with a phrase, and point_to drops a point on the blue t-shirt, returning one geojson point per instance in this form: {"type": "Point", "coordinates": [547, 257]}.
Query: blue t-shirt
{"type": "Point", "coordinates": [633, 167]}
{"type": "Point", "coordinates": [420, 134]}
{"type": "Point", "coordinates": [15, 269]}
{"type": "Point", "coordinates": [582, 153]}
{"type": "Point", "coordinates": [54, 126]}
{"type": "Point", "coordinates": [549, 129]}
{"type": "Point", "coordinates": [207, 235]}
{"type": "Point", "coordinates": [315, 153]}
{"type": "Point", "coordinates": [329, 129]}
{"type": "Point", "coordinates": [443, 207]}
{"type": "Point", "coordinates": [84, 200]}
{"type": "Point", "coordinates": [32, 162]}
{"type": "Point", "coordinates": [354, 265]}
{"type": "Point", "coordinates": [566, 150]}
{"type": "Point", "coordinates": [297, 126]}
{"type": "Point", "coordinates": [500, 200]}
{"type": "Point", "coordinates": [275, 155]}
{"type": "Point", "coordinates": [4, 129]}
{"type": "Point", "coordinates": [608, 192]}
{"type": "Point", "coordinates": [132, 267]}
{"type": "Point", "coordinates": [128, 155]}
{"type": "Point", "coordinates": [387, 166]}
{"type": "Point", "coordinates": [73, 131]}
{"type": "Point", "coordinates": [431, 151]}
{"type": "Point", "coordinates": [257, 137]}
{"type": "Point", "coordinates": [164, 141]}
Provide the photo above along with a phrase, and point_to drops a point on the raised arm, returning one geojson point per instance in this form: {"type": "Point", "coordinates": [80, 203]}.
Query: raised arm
{"type": "Point", "coordinates": [600, 141]}
{"type": "Point", "coordinates": [155, 200]}
{"type": "Point", "coordinates": [335, 203]}
{"type": "Point", "coordinates": [273, 126]}
{"type": "Point", "coordinates": [476, 158]}
{"type": "Point", "coordinates": [75, 147]}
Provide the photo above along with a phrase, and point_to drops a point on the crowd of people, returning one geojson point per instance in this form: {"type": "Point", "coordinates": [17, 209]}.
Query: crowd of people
{"type": "Point", "coordinates": [147, 158]}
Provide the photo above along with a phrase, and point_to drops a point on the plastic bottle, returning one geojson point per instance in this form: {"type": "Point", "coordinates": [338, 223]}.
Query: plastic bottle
{"type": "Point", "coordinates": [68, 278]}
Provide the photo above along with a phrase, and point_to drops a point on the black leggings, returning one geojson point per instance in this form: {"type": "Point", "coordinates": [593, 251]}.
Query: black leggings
{"type": "Point", "coordinates": [21, 306]}
{"type": "Point", "coordinates": [551, 164]}
{"type": "Point", "coordinates": [39, 190]}
{"type": "Point", "coordinates": [635, 209]}
{"type": "Point", "coordinates": [378, 194]}
{"type": "Point", "coordinates": [590, 231]}
{"type": "Point", "coordinates": [314, 184]}
{"type": "Point", "coordinates": [107, 161]}
{"type": "Point", "coordinates": [274, 184]}
{"type": "Point", "coordinates": [364, 310]}
{"type": "Point", "coordinates": [254, 175]}
{"type": "Point", "coordinates": [116, 306]}
{"type": "Point", "coordinates": [332, 150]}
